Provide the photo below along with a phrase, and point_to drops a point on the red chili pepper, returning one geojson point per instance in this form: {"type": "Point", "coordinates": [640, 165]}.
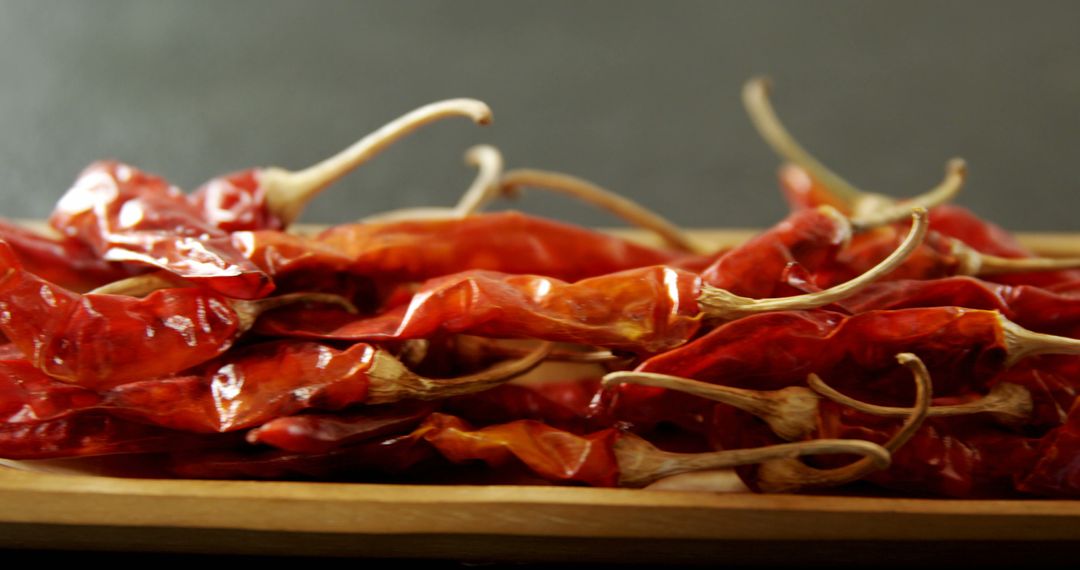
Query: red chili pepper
{"type": "Point", "coordinates": [272, 198]}
{"type": "Point", "coordinates": [420, 249]}
{"type": "Point", "coordinates": [759, 267]}
{"type": "Point", "coordinates": [1056, 472]}
{"type": "Point", "coordinates": [323, 433]}
{"type": "Point", "coordinates": [133, 217]}
{"type": "Point", "coordinates": [92, 433]}
{"type": "Point", "coordinates": [564, 404]}
{"type": "Point", "coordinates": [105, 340]}
{"type": "Point", "coordinates": [67, 262]}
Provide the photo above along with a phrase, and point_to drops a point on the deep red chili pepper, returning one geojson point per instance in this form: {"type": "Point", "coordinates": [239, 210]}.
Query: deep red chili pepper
{"type": "Point", "coordinates": [1031, 307]}
{"type": "Point", "coordinates": [1056, 472]}
{"type": "Point", "coordinates": [130, 216]}
{"type": "Point", "coordinates": [643, 310]}
{"type": "Point", "coordinates": [1053, 381]}
{"type": "Point", "coordinates": [758, 268]}
{"type": "Point", "coordinates": [322, 433]}
{"type": "Point", "coordinates": [563, 404]}
{"type": "Point", "coordinates": [964, 350]}
{"type": "Point", "coordinates": [67, 262]}
{"type": "Point", "coordinates": [272, 198]}
{"type": "Point", "coordinates": [421, 249]}
{"type": "Point", "coordinates": [92, 433]}
{"type": "Point", "coordinates": [105, 340]}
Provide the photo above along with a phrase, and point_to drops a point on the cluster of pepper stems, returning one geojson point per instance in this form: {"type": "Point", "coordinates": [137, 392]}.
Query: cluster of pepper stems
{"type": "Point", "coordinates": [863, 342]}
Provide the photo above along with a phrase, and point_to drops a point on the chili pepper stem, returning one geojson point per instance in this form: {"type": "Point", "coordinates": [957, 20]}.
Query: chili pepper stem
{"type": "Point", "coordinates": [790, 412]}
{"type": "Point", "coordinates": [976, 263]}
{"type": "Point", "coordinates": [792, 475]}
{"type": "Point", "coordinates": [289, 192]}
{"type": "Point", "coordinates": [640, 463]}
{"type": "Point", "coordinates": [248, 311]}
{"type": "Point", "coordinates": [1021, 343]}
{"type": "Point", "coordinates": [142, 285]}
{"type": "Point", "coordinates": [722, 305]}
{"type": "Point", "coordinates": [865, 207]}
{"type": "Point", "coordinates": [391, 381]}
{"type": "Point", "coordinates": [489, 162]}
{"type": "Point", "coordinates": [586, 191]}
{"type": "Point", "coordinates": [1009, 403]}
{"type": "Point", "coordinates": [488, 346]}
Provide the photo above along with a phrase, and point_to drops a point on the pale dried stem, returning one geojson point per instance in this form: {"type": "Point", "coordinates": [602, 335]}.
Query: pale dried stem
{"type": "Point", "coordinates": [793, 475]}
{"type": "Point", "coordinates": [248, 311]}
{"type": "Point", "coordinates": [620, 206]}
{"type": "Point", "coordinates": [484, 188]}
{"type": "Point", "coordinates": [391, 381]}
{"type": "Point", "coordinates": [791, 412]}
{"type": "Point", "coordinates": [973, 262]}
{"type": "Point", "coordinates": [1021, 343]}
{"type": "Point", "coordinates": [871, 214]}
{"type": "Point", "coordinates": [289, 192]}
{"type": "Point", "coordinates": [723, 305]}
{"type": "Point", "coordinates": [142, 285]}
{"type": "Point", "coordinates": [641, 463]}
{"type": "Point", "coordinates": [1009, 403]}
{"type": "Point", "coordinates": [867, 208]}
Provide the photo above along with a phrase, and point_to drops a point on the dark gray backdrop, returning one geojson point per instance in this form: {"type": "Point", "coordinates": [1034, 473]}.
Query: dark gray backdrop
{"type": "Point", "coordinates": [642, 97]}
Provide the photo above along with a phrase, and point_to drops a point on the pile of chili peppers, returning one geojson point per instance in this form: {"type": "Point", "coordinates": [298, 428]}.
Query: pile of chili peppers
{"type": "Point", "coordinates": [863, 343]}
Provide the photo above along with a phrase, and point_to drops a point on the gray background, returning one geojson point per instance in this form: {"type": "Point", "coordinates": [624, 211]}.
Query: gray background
{"type": "Point", "coordinates": [642, 97]}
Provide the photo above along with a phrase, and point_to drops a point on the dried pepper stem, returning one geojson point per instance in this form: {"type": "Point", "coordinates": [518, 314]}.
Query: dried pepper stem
{"type": "Point", "coordinates": [641, 463]}
{"type": "Point", "coordinates": [792, 475]}
{"type": "Point", "coordinates": [722, 305]}
{"type": "Point", "coordinates": [1008, 403]}
{"type": "Point", "coordinates": [142, 285]}
{"type": "Point", "coordinates": [1021, 343]}
{"type": "Point", "coordinates": [790, 412]}
{"type": "Point", "coordinates": [603, 198]}
{"type": "Point", "coordinates": [865, 208]}
{"type": "Point", "coordinates": [973, 262]}
{"type": "Point", "coordinates": [489, 163]}
{"type": "Point", "coordinates": [391, 381]}
{"type": "Point", "coordinates": [288, 192]}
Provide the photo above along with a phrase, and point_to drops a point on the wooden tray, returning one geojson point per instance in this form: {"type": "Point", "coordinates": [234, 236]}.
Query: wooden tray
{"type": "Point", "coordinates": [534, 524]}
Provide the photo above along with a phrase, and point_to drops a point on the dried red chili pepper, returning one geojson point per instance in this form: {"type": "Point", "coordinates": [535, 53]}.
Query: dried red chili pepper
{"type": "Point", "coordinates": [67, 262]}
{"type": "Point", "coordinates": [604, 458]}
{"type": "Point", "coordinates": [272, 198]}
{"type": "Point", "coordinates": [964, 350]}
{"type": "Point", "coordinates": [90, 434]}
{"type": "Point", "coordinates": [758, 268]}
{"type": "Point", "coordinates": [130, 216]}
{"type": "Point", "coordinates": [563, 404]}
{"type": "Point", "coordinates": [105, 340]}
{"type": "Point", "coordinates": [322, 433]}
{"type": "Point", "coordinates": [1056, 471]}
{"type": "Point", "coordinates": [644, 310]}
{"type": "Point", "coordinates": [421, 249]}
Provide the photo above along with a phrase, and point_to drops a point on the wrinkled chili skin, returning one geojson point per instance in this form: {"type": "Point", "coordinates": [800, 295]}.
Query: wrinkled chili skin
{"type": "Point", "coordinates": [87, 434]}
{"type": "Point", "coordinates": [946, 221]}
{"type": "Point", "coordinates": [1057, 471]}
{"type": "Point", "coordinates": [963, 350]}
{"type": "Point", "coordinates": [757, 268]}
{"type": "Point", "coordinates": [508, 242]}
{"type": "Point", "coordinates": [1053, 380]}
{"type": "Point", "coordinates": [553, 454]}
{"type": "Point", "coordinates": [563, 404]}
{"type": "Point", "coordinates": [129, 216]}
{"type": "Point", "coordinates": [27, 395]}
{"type": "Point", "coordinates": [1031, 307]}
{"type": "Point", "coordinates": [323, 433]}
{"type": "Point", "coordinates": [236, 202]}
{"type": "Point", "coordinates": [644, 310]}
{"type": "Point", "coordinates": [64, 261]}
{"type": "Point", "coordinates": [100, 341]}
{"type": "Point", "coordinates": [250, 386]}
